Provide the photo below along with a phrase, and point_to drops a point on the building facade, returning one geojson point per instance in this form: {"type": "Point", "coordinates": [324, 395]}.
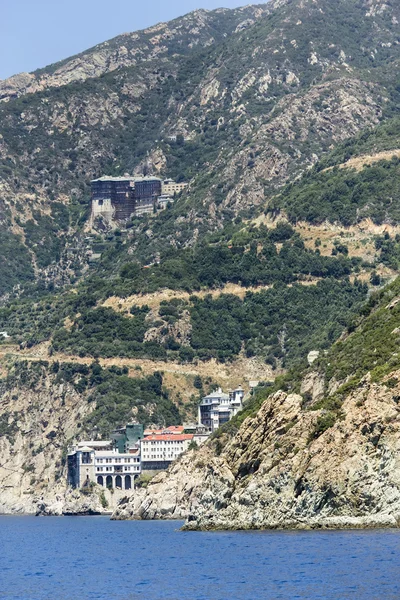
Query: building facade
{"type": "Point", "coordinates": [170, 187]}
{"type": "Point", "coordinates": [146, 192]}
{"type": "Point", "coordinates": [99, 462]}
{"type": "Point", "coordinates": [113, 198]}
{"type": "Point", "coordinates": [218, 408]}
{"type": "Point", "coordinates": [159, 450]}
{"type": "Point", "coordinates": [120, 198]}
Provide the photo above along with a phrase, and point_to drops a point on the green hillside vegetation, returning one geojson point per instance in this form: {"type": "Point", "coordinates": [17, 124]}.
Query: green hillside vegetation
{"type": "Point", "coordinates": [252, 258]}
{"type": "Point", "coordinates": [15, 264]}
{"type": "Point", "coordinates": [281, 324]}
{"type": "Point", "coordinates": [373, 340]}
{"type": "Point", "coordinates": [116, 397]}
{"type": "Point", "coordinates": [346, 196]}
{"type": "Point", "coordinates": [56, 140]}
{"type": "Point", "coordinates": [370, 346]}
{"type": "Point", "coordinates": [384, 137]}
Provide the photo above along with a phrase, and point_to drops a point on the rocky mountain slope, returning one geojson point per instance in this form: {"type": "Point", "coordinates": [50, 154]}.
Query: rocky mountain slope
{"type": "Point", "coordinates": [256, 95]}
{"type": "Point", "coordinates": [198, 29]}
{"type": "Point", "coordinates": [270, 112]}
{"type": "Point", "coordinates": [321, 452]}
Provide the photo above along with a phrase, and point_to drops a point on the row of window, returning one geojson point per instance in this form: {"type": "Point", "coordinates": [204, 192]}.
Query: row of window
{"type": "Point", "coordinates": [165, 442]}
{"type": "Point", "coordinates": [111, 469]}
{"type": "Point", "coordinates": [162, 456]}
{"type": "Point", "coordinates": [116, 460]}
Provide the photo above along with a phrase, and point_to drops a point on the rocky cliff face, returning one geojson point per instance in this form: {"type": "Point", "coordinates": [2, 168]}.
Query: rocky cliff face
{"type": "Point", "coordinates": [272, 474]}
{"type": "Point", "coordinates": [37, 420]}
{"type": "Point", "coordinates": [42, 414]}
{"type": "Point", "coordinates": [258, 95]}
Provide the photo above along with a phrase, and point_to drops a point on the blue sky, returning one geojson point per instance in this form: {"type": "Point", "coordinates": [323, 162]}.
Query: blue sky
{"type": "Point", "coordinates": [36, 33]}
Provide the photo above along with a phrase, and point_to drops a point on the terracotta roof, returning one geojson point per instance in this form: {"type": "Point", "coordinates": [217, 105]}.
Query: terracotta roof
{"type": "Point", "coordinates": [175, 429]}
{"type": "Point", "coordinates": [168, 437]}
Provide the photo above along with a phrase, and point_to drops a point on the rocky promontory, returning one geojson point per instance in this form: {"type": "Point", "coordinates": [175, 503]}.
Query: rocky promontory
{"type": "Point", "coordinates": [275, 474]}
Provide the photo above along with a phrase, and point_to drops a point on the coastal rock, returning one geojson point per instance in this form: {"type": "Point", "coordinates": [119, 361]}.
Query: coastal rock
{"type": "Point", "coordinates": [274, 473]}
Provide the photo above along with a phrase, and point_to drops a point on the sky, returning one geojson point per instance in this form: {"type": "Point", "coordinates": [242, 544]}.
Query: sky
{"type": "Point", "coordinates": [36, 33]}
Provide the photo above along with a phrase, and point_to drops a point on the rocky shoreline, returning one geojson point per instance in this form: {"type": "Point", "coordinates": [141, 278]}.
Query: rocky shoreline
{"type": "Point", "coordinates": [272, 475]}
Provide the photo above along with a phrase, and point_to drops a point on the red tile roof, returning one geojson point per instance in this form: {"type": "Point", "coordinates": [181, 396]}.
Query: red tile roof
{"type": "Point", "coordinates": [168, 437]}
{"type": "Point", "coordinates": [175, 429]}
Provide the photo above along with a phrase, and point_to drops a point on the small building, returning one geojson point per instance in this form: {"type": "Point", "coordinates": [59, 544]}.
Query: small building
{"type": "Point", "coordinates": [201, 435]}
{"type": "Point", "coordinates": [163, 202]}
{"type": "Point", "coordinates": [218, 408]}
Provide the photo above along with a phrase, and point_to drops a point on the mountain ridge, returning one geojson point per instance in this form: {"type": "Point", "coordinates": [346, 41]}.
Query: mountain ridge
{"type": "Point", "coordinates": [121, 51]}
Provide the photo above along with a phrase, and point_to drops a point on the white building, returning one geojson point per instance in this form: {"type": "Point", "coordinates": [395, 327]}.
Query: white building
{"type": "Point", "coordinates": [218, 408]}
{"type": "Point", "coordinates": [159, 450]}
{"type": "Point", "coordinates": [99, 462]}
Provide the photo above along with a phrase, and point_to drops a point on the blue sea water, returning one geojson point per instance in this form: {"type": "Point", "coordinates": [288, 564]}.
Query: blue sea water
{"type": "Point", "coordinates": [82, 558]}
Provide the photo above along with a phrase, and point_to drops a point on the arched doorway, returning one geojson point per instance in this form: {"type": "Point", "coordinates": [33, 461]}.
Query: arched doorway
{"type": "Point", "coordinates": [109, 481]}
{"type": "Point", "coordinates": [118, 481]}
{"type": "Point", "coordinates": [100, 480]}
{"type": "Point", "coordinates": [128, 482]}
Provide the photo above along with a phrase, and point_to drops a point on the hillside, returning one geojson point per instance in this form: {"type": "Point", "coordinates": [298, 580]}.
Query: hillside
{"type": "Point", "coordinates": [320, 452]}
{"type": "Point", "coordinates": [256, 95]}
{"type": "Point", "coordinates": [283, 119]}
{"type": "Point", "coordinates": [358, 180]}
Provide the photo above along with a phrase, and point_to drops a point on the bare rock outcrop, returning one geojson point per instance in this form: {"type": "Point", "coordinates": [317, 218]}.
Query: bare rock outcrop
{"type": "Point", "coordinates": [275, 472]}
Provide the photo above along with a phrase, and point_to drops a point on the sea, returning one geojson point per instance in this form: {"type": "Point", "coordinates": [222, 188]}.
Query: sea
{"type": "Point", "coordinates": [82, 558]}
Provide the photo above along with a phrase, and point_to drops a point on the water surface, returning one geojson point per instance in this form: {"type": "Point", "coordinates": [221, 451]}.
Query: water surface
{"type": "Point", "coordinates": [82, 558]}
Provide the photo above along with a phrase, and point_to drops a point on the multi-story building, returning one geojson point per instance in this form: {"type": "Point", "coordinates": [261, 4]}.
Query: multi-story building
{"type": "Point", "coordinates": [113, 198]}
{"type": "Point", "coordinates": [99, 462]}
{"type": "Point", "coordinates": [218, 408]}
{"type": "Point", "coordinates": [159, 448]}
{"type": "Point", "coordinates": [119, 198]}
{"type": "Point", "coordinates": [126, 439]}
{"type": "Point", "coordinates": [170, 187]}
{"type": "Point", "coordinates": [146, 193]}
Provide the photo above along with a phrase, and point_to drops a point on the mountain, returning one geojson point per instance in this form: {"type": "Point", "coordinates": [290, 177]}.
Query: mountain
{"type": "Point", "coordinates": [198, 29]}
{"type": "Point", "coordinates": [283, 119]}
{"type": "Point", "coordinates": [259, 94]}
{"type": "Point", "coordinates": [320, 449]}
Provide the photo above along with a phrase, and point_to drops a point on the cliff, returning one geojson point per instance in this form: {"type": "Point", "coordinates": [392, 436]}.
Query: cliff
{"type": "Point", "coordinates": [44, 408]}
{"type": "Point", "coordinates": [272, 476]}
{"type": "Point", "coordinates": [323, 453]}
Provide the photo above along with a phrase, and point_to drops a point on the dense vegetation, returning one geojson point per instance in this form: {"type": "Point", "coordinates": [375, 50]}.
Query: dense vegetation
{"type": "Point", "coordinates": [373, 340]}
{"type": "Point", "coordinates": [281, 324]}
{"type": "Point", "coordinates": [116, 397]}
{"type": "Point", "coordinates": [252, 258]}
{"type": "Point", "coordinates": [345, 195]}
{"type": "Point", "coordinates": [15, 264]}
